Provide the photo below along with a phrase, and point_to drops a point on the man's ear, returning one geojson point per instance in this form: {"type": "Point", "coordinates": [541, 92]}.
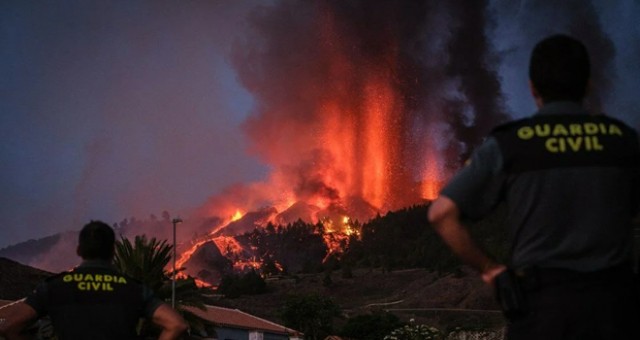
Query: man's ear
{"type": "Point", "coordinates": [78, 252]}
{"type": "Point", "coordinates": [535, 94]}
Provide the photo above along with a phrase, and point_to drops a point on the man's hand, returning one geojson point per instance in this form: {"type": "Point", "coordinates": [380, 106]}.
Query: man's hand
{"type": "Point", "coordinates": [173, 325]}
{"type": "Point", "coordinates": [493, 270]}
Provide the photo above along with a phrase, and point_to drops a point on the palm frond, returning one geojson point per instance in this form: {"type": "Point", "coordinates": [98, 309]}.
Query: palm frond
{"type": "Point", "coordinates": [146, 260]}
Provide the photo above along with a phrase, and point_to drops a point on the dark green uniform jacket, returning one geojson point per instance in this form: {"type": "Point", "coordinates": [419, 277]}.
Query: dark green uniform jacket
{"type": "Point", "coordinates": [93, 301]}
{"type": "Point", "coordinates": [570, 181]}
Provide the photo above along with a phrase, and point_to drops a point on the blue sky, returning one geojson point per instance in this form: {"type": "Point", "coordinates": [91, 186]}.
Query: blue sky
{"type": "Point", "coordinates": [126, 108]}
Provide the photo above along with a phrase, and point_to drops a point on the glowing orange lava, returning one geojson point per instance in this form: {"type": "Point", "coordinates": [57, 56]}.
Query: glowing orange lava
{"type": "Point", "coordinates": [232, 249]}
{"type": "Point", "coordinates": [186, 255]}
{"type": "Point", "coordinates": [236, 216]}
{"type": "Point", "coordinates": [203, 284]}
{"type": "Point", "coordinates": [228, 246]}
{"type": "Point", "coordinates": [337, 235]}
{"type": "Point", "coordinates": [432, 175]}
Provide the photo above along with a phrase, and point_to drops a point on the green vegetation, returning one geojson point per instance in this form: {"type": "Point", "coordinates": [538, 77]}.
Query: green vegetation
{"type": "Point", "coordinates": [372, 326]}
{"type": "Point", "coordinates": [398, 240]}
{"type": "Point", "coordinates": [297, 247]}
{"type": "Point", "coordinates": [311, 314]}
{"type": "Point", "coordinates": [235, 285]}
{"type": "Point", "coordinates": [145, 260]}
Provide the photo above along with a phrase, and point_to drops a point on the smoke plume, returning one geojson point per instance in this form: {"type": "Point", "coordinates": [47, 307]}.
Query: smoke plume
{"type": "Point", "coordinates": [524, 23]}
{"type": "Point", "coordinates": [354, 98]}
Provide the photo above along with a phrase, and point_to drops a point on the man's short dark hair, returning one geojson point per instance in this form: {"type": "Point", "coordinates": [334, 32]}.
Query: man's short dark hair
{"type": "Point", "coordinates": [96, 241]}
{"type": "Point", "coordinates": [560, 68]}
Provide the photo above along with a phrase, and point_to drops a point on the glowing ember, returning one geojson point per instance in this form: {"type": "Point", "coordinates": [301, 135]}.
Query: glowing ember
{"type": "Point", "coordinates": [336, 237]}
{"type": "Point", "coordinates": [431, 188]}
{"type": "Point", "coordinates": [432, 174]}
{"type": "Point", "coordinates": [243, 265]}
{"type": "Point", "coordinates": [228, 246]}
{"type": "Point", "coordinates": [203, 284]}
{"type": "Point", "coordinates": [236, 216]}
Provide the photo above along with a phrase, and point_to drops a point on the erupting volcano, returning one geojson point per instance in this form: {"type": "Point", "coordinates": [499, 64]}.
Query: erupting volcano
{"type": "Point", "coordinates": [360, 109]}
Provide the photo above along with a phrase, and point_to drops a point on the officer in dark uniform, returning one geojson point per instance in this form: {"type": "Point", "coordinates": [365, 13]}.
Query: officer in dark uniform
{"type": "Point", "coordinates": [94, 300]}
{"type": "Point", "coordinates": [571, 183]}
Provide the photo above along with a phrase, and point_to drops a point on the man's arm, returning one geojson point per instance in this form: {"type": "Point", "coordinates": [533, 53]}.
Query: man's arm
{"type": "Point", "coordinates": [444, 216]}
{"type": "Point", "coordinates": [19, 316]}
{"type": "Point", "coordinates": [173, 325]}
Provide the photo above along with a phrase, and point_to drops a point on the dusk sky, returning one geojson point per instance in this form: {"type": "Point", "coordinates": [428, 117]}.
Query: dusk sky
{"type": "Point", "coordinates": [113, 109]}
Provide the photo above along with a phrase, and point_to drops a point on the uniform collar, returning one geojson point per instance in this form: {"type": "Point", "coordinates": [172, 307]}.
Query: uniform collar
{"type": "Point", "coordinates": [95, 263]}
{"type": "Point", "coordinates": [562, 107]}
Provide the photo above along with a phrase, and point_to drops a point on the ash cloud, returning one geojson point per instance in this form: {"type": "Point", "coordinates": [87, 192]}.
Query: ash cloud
{"type": "Point", "coordinates": [608, 30]}
{"type": "Point", "coordinates": [581, 20]}
{"type": "Point", "coordinates": [436, 57]}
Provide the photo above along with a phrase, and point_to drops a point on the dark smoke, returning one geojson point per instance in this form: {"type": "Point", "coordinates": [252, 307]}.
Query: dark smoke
{"type": "Point", "coordinates": [580, 19]}
{"type": "Point", "coordinates": [524, 23]}
{"type": "Point", "coordinates": [306, 177]}
{"type": "Point", "coordinates": [473, 62]}
{"type": "Point", "coordinates": [437, 55]}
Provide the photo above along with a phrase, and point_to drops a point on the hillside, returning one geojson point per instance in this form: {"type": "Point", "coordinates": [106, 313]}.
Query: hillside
{"type": "Point", "coordinates": [445, 301]}
{"type": "Point", "coordinates": [54, 253]}
{"type": "Point", "coordinates": [18, 280]}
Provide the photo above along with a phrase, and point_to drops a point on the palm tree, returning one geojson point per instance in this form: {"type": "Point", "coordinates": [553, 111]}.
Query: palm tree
{"type": "Point", "coordinates": [145, 260]}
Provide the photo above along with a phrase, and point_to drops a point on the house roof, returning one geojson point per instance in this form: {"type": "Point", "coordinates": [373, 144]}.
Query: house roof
{"type": "Point", "coordinates": [225, 317]}
{"type": "Point", "coordinates": [5, 302]}
{"type": "Point", "coordinates": [235, 318]}
{"type": "Point", "coordinates": [6, 308]}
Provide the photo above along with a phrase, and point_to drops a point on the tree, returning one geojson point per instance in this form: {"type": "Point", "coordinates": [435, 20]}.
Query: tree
{"type": "Point", "coordinates": [311, 314]}
{"type": "Point", "coordinates": [233, 285]}
{"type": "Point", "coordinates": [145, 260]}
{"type": "Point", "coordinates": [372, 326]}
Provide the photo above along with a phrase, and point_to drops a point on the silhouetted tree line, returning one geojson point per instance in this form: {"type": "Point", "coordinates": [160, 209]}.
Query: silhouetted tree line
{"type": "Point", "coordinates": [405, 239]}
{"type": "Point", "coordinates": [296, 247]}
{"type": "Point", "coordinates": [400, 239]}
{"type": "Point", "coordinates": [159, 227]}
{"type": "Point", "coordinates": [234, 285]}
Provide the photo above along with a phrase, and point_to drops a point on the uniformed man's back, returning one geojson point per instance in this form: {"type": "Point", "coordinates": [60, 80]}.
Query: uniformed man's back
{"type": "Point", "coordinates": [93, 301]}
